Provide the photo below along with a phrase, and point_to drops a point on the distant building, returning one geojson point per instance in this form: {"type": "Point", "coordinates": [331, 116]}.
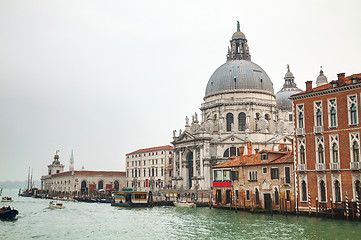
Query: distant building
{"type": "Point", "coordinates": [149, 169]}
{"type": "Point", "coordinates": [80, 182]}
{"type": "Point", "coordinates": [327, 152]}
{"type": "Point", "coordinates": [261, 180]}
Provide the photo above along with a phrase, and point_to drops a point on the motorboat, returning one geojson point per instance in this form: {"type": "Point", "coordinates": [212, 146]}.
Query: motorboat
{"type": "Point", "coordinates": [185, 204]}
{"type": "Point", "coordinates": [7, 199]}
{"type": "Point", "coordinates": [56, 205]}
{"type": "Point", "coordinates": [130, 198]}
{"type": "Point", "coordinates": [8, 213]}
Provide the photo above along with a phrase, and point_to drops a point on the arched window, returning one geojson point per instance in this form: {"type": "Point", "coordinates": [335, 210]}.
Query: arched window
{"type": "Point", "coordinates": [100, 185]}
{"type": "Point", "coordinates": [302, 155]}
{"type": "Point", "coordinates": [116, 185]}
{"type": "Point", "coordinates": [357, 189]}
{"type": "Point", "coordinates": [337, 191]}
{"type": "Point", "coordinates": [229, 119]}
{"type": "Point", "coordinates": [277, 197]}
{"type": "Point", "coordinates": [241, 121]}
{"type": "Point", "coordinates": [257, 196]}
{"type": "Point", "coordinates": [304, 191]}
{"type": "Point", "coordinates": [257, 116]}
{"type": "Point", "coordinates": [226, 153]}
{"type": "Point", "coordinates": [83, 187]}
{"type": "Point", "coordinates": [267, 117]}
{"type": "Point", "coordinates": [323, 191]}
{"type": "Point", "coordinates": [320, 153]}
{"type": "Point", "coordinates": [300, 120]}
{"type": "Point", "coordinates": [335, 153]}
{"type": "Point", "coordinates": [355, 152]}
{"type": "Point", "coordinates": [333, 117]}
{"type": "Point", "coordinates": [353, 111]}
{"type": "Point", "coordinates": [319, 118]}
{"type": "Point", "coordinates": [232, 151]}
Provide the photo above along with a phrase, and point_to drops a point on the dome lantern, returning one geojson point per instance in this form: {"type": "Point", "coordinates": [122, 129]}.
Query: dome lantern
{"type": "Point", "coordinates": [321, 79]}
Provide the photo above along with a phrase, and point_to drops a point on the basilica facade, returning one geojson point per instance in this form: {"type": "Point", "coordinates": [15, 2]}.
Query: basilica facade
{"type": "Point", "coordinates": [240, 113]}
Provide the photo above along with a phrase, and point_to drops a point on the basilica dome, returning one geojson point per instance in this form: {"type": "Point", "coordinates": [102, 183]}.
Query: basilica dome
{"type": "Point", "coordinates": [289, 88]}
{"type": "Point", "coordinates": [239, 75]}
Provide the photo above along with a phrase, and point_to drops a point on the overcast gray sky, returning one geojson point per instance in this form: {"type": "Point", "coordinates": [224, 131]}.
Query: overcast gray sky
{"type": "Point", "coordinates": [109, 77]}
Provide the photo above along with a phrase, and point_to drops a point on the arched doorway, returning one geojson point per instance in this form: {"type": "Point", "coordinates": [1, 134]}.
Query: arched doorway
{"type": "Point", "coordinates": [83, 187]}
{"type": "Point", "coordinates": [116, 185]}
{"type": "Point", "coordinates": [100, 184]}
{"type": "Point", "coordinates": [190, 168]}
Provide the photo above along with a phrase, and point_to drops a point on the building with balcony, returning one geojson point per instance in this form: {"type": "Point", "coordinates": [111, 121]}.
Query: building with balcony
{"type": "Point", "coordinates": [150, 169]}
{"type": "Point", "coordinates": [327, 143]}
{"type": "Point", "coordinates": [261, 180]}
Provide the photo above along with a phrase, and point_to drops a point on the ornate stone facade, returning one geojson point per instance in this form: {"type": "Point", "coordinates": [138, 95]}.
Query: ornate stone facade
{"type": "Point", "coordinates": [239, 109]}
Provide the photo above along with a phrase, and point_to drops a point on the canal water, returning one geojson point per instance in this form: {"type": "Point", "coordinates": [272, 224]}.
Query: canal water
{"type": "Point", "coordinates": [101, 221]}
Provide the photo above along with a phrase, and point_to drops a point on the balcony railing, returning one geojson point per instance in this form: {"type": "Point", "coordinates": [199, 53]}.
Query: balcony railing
{"type": "Point", "coordinates": [300, 131]}
{"type": "Point", "coordinates": [318, 129]}
{"type": "Point", "coordinates": [320, 166]}
{"type": "Point", "coordinates": [335, 166]}
{"type": "Point", "coordinates": [301, 167]}
{"type": "Point", "coordinates": [355, 165]}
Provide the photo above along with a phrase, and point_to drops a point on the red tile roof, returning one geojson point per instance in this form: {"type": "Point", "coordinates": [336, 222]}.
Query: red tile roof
{"type": "Point", "coordinates": [329, 85]}
{"type": "Point", "coordinates": [167, 147]}
{"type": "Point", "coordinates": [108, 173]}
{"type": "Point", "coordinates": [275, 157]}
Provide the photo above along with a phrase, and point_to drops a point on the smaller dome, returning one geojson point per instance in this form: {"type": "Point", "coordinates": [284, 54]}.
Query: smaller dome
{"type": "Point", "coordinates": [56, 156]}
{"type": "Point", "coordinates": [282, 98]}
{"type": "Point", "coordinates": [238, 35]}
{"type": "Point", "coordinates": [321, 79]}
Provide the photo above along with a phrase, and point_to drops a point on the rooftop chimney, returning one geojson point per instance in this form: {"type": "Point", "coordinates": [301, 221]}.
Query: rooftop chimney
{"type": "Point", "coordinates": [308, 86]}
{"type": "Point", "coordinates": [249, 148]}
{"type": "Point", "coordinates": [241, 150]}
{"type": "Point", "coordinates": [282, 147]}
{"type": "Point", "coordinates": [256, 150]}
{"type": "Point", "coordinates": [341, 78]}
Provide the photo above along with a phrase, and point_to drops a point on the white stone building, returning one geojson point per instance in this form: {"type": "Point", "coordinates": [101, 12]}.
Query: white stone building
{"type": "Point", "coordinates": [240, 109]}
{"type": "Point", "coordinates": [82, 181]}
{"type": "Point", "coordinates": [149, 169]}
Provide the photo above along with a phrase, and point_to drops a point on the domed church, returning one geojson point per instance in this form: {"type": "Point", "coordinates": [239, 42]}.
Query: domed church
{"type": "Point", "coordinates": [240, 115]}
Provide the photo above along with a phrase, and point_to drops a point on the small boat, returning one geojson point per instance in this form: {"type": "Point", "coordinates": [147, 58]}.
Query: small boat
{"type": "Point", "coordinates": [8, 213]}
{"type": "Point", "coordinates": [185, 204]}
{"type": "Point", "coordinates": [56, 205]}
{"type": "Point", "coordinates": [130, 198]}
{"type": "Point", "coordinates": [7, 199]}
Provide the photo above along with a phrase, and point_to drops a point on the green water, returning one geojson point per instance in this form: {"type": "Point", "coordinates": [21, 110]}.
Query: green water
{"type": "Point", "coordinates": [101, 221]}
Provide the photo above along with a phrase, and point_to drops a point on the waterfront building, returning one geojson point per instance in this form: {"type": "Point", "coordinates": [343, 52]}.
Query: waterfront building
{"type": "Point", "coordinates": [239, 107]}
{"type": "Point", "coordinates": [327, 142]}
{"type": "Point", "coordinates": [261, 180]}
{"type": "Point", "coordinates": [149, 169]}
{"type": "Point", "coordinates": [74, 182]}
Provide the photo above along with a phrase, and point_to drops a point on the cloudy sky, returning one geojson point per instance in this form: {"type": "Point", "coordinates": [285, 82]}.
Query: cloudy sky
{"type": "Point", "coordinates": [109, 77]}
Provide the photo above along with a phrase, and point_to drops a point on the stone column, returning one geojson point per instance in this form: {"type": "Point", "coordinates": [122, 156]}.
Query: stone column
{"type": "Point", "coordinates": [180, 163]}
{"type": "Point", "coordinates": [194, 162]}
{"type": "Point", "coordinates": [174, 163]}
{"type": "Point", "coordinates": [201, 161]}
